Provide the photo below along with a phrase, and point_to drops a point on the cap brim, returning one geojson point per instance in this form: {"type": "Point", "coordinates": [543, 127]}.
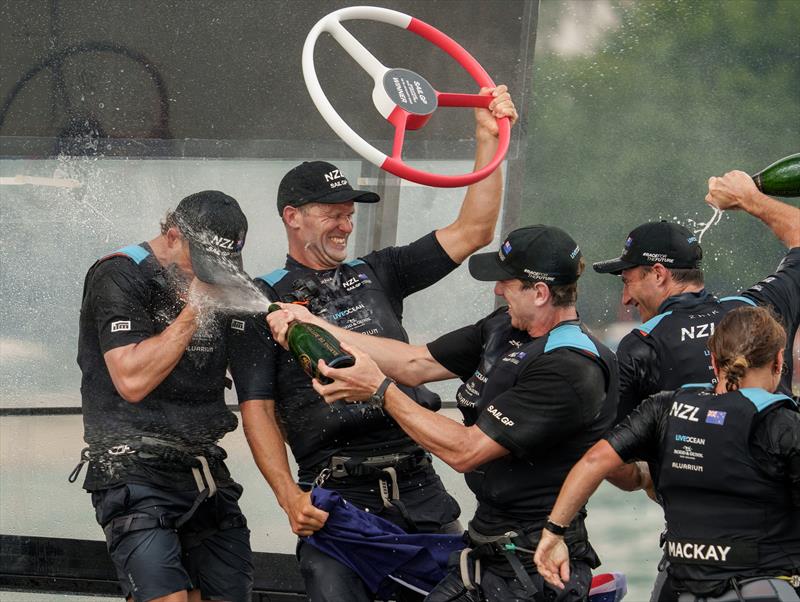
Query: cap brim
{"type": "Point", "coordinates": [612, 266]}
{"type": "Point", "coordinates": [343, 196]}
{"type": "Point", "coordinates": [216, 269]}
{"type": "Point", "coordinates": [489, 268]}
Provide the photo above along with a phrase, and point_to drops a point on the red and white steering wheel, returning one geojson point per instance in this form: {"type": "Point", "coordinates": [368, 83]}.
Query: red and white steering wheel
{"type": "Point", "coordinates": [404, 98]}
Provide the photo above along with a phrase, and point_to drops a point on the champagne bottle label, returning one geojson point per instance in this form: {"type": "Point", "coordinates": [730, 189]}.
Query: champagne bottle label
{"type": "Point", "coordinates": [306, 364]}
{"type": "Point", "coordinates": [323, 340]}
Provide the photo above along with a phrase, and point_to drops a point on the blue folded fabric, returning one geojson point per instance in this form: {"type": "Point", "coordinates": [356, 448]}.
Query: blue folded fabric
{"type": "Point", "coordinates": [379, 551]}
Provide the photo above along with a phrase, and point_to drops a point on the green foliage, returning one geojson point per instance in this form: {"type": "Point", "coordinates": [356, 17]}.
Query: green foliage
{"type": "Point", "coordinates": [672, 93]}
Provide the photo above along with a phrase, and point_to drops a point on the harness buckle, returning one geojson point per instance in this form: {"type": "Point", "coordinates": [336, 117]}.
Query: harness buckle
{"type": "Point", "coordinates": [121, 450]}
{"type": "Point", "coordinates": [323, 476]}
{"type": "Point", "coordinates": [383, 484]}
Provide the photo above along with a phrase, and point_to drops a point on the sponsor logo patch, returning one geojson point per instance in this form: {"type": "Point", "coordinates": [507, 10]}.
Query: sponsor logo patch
{"type": "Point", "coordinates": [120, 325]}
{"type": "Point", "coordinates": [237, 325]}
{"type": "Point", "coordinates": [716, 417]}
{"type": "Point", "coordinates": [538, 275]}
{"type": "Point", "coordinates": [658, 257]}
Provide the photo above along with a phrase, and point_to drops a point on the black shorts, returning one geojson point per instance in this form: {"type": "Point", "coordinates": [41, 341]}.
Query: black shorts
{"type": "Point", "coordinates": [210, 552]}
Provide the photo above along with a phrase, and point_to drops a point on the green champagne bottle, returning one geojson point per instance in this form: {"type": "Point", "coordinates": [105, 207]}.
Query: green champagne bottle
{"type": "Point", "coordinates": [782, 178]}
{"type": "Point", "coordinates": [310, 343]}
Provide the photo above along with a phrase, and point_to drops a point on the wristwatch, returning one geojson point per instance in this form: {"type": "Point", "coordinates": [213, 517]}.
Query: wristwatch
{"type": "Point", "coordinates": [377, 398]}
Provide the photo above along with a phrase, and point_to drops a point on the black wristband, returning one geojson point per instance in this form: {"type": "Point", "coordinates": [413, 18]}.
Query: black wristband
{"type": "Point", "coordinates": [555, 528]}
{"type": "Point", "coordinates": [377, 398]}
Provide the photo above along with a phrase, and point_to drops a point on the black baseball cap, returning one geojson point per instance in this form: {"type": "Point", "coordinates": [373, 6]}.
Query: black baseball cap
{"type": "Point", "coordinates": [661, 242]}
{"type": "Point", "coordinates": [215, 227]}
{"type": "Point", "coordinates": [534, 253]}
{"type": "Point", "coordinates": [318, 182]}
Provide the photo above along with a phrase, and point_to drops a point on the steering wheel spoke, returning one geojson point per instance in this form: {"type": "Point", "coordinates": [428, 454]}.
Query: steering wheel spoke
{"type": "Point", "coordinates": [457, 99]}
{"type": "Point", "coordinates": [399, 119]}
{"type": "Point", "coordinates": [357, 50]}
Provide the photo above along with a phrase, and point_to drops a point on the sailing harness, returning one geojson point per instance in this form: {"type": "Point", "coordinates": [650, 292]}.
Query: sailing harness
{"type": "Point", "coordinates": [150, 447]}
{"type": "Point", "coordinates": [506, 545]}
{"type": "Point", "coordinates": [385, 469]}
{"type": "Point", "coordinates": [755, 589]}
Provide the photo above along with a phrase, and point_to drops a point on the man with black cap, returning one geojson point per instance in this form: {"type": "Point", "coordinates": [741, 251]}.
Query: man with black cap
{"type": "Point", "coordinates": [538, 391]}
{"type": "Point", "coordinates": [662, 277]}
{"type": "Point", "coordinates": [377, 465]}
{"type": "Point", "coordinates": [153, 361]}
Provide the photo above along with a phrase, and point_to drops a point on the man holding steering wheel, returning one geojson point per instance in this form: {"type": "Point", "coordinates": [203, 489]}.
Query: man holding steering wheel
{"type": "Point", "coordinates": [358, 451]}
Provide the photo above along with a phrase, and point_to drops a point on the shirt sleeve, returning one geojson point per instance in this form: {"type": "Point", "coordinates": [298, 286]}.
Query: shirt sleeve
{"type": "Point", "coordinates": [776, 446]}
{"type": "Point", "coordinates": [553, 398]}
{"type": "Point", "coordinates": [639, 435]}
{"type": "Point", "coordinates": [253, 356]}
{"type": "Point", "coordinates": [459, 351]}
{"type": "Point", "coordinates": [638, 373]}
{"type": "Point", "coordinates": [411, 268]}
{"type": "Point", "coordinates": [781, 290]}
{"type": "Point", "coordinates": [118, 302]}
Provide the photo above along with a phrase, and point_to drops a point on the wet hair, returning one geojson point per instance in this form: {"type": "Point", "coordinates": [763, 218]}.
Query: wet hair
{"type": "Point", "coordinates": [168, 222]}
{"type": "Point", "coordinates": [747, 337]}
{"type": "Point", "coordinates": [682, 275]}
{"type": "Point", "coordinates": [687, 275]}
{"type": "Point", "coordinates": [563, 295]}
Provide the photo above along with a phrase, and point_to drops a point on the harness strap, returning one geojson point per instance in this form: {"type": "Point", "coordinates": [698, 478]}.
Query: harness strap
{"type": "Point", "coordinates": [73, 476]}
{"type": "Point", "coordinates": [204, 480]}
{"type": "Point", "coordinates": [463, 564]}
{"type": "Point", "coordinates": [384, 486]}
{"type": "Point", "coordinates": [505, 545]}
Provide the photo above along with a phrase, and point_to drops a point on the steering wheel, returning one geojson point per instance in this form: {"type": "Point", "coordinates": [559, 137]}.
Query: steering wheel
{"type": "Point", "coordinates": [404, 98]}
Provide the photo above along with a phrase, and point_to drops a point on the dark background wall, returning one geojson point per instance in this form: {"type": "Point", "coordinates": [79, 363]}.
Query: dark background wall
{"type": "Point", "coordinates": [231, 71]}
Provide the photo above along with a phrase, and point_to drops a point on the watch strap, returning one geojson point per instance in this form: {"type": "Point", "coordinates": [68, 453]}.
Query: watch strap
{"type": "Point", "coordinates": [377, 398]}
{"type": "Point", "coordinates": [555, 528]}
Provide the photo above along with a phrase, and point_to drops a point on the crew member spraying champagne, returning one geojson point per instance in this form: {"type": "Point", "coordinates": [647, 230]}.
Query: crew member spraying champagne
{"type": "Point", "coordinates": [310, 343]}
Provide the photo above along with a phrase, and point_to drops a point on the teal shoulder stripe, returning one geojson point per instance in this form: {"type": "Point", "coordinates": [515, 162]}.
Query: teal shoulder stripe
{"type": "Point", "coordinates": [697, 386]}
{"type": "Point", "coordinates": [135, 252]}
{"type": "Point", "coordinates": [763, 399]}
{"type": "Point", "coordinates": [354, 262]}
{"type": "Point", "coordinates": [739, 298]}
{"type": "Point", "coordinates": [570, 335]}
{"type": "Point", "coordinates": [273, 277]}
{"type": "Point", "coordinates": [648, 326]}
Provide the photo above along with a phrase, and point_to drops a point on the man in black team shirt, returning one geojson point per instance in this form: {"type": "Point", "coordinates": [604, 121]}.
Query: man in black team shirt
{"type": "Point", "coordinates": [153, 362]}
{"type": "Point", "coordinates": [662, 278]}
{"type": "Point", "coordinates": [538, 392]}
{"type": "Point", "coordinates": [358, 451]}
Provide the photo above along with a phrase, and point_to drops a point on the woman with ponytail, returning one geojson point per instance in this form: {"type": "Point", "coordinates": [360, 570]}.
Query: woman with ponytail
{"type": "Point", "coordinates": [725, 463]}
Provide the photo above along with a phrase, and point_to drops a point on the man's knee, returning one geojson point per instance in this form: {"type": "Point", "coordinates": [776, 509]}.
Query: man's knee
{"type": "Point", "coordinates": [327, 579]}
